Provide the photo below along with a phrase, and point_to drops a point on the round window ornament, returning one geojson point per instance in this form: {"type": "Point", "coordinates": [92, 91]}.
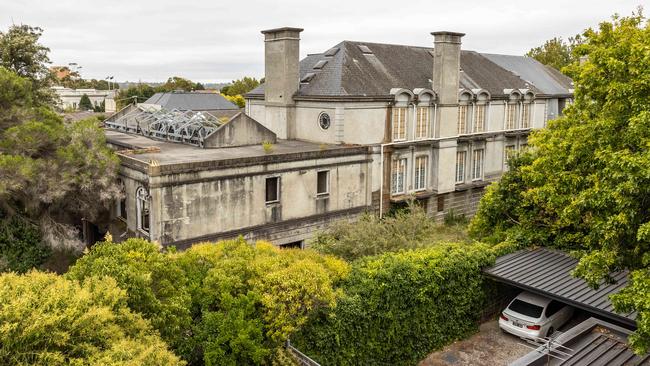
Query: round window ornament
{"type": "Point", "coordinates": [324, 121]}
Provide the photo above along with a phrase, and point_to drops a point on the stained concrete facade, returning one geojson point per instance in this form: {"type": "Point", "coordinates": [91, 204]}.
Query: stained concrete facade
{"type": "Point", "coordinates": [497, 106]}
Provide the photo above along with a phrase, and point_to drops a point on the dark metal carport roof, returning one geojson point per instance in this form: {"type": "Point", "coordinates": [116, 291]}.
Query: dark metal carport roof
{"type": "Point", "coordinates": [548, 272]}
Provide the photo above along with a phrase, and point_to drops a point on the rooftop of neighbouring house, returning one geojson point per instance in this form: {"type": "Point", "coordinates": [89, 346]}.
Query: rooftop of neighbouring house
{"type": "Point", "coordinates": [190, 101]}
{"type": "Point", "coordinates": [141, 152]}
{"type": "Point", "coordinates": [353, 68]}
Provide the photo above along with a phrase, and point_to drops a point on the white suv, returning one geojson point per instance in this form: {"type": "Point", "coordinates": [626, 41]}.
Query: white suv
{"type": "Point", "coordinates": [532, 316]}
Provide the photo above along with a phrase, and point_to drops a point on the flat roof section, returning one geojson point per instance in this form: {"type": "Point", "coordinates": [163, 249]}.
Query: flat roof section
{"type": "Point", "coordinates": [592, 342]}
{"type": "Point", "coordinates": [175, 157]}
{"type": "Point", "coordinates": [548, 272]}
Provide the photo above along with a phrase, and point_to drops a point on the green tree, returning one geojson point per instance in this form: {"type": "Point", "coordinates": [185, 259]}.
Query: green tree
{"type": "Point", "coordinates": [556, 52]}
{"type": "Point", "coordinates": [406, 229]}
{"type": "Point", "coordinates": [584, 183]}
{"type": "Point", "coordinates": [85, 104]}
{"type": "Point", "coordinates": [21, 245]}
{"type": "Point", "coordinates": [155, 286]}
{"type": "Point", "coordinates": [240, 86]}
{"type": "Point", "coordinates": [134, 94]}
{"type": "Point", "coordinates": [21, 53]}
{"type": "Point", "coordinates": [179, 83]}
{"type": "Point", "coordinates": [47, 320]}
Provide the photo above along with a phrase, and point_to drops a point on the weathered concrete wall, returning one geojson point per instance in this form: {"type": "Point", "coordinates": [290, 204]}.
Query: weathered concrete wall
{"type": "Point", "coordinates": [241, 130]}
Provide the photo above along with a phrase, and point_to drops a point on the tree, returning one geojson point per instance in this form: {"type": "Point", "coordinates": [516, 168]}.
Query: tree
{"type": "Point", "coordinates": [48, 320]}
{"type": "Point", "coordinates": [21, 53]}
{"type": "Point", "coordinates": [85, 104]}
{"type": "Point", "coordinates": [179, 83]}
{"type": "Point", "coordinates": [409, 228]}
{"type": "Point", "coordinates": [154, 285]}
{"type": "Point", "coordinates": [21, 245]}
{"type": "Point", "coordinates": [584, 183]}
{"type": "Point", "coordinates": [237, 99]}
{"type": "Point", "coordinates": [556, 52]}
{"type": "Point", "coordinates": [134, 94]}
{"type": "Point", "coordinates": [240, 86]}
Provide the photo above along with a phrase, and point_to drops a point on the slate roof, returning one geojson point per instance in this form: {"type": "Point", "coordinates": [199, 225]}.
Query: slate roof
{"type": "Point", "coordinates": [352, 72]}
{"type": "Point", "coordinates": [592, 342]}
{"type": "Point", "coordinates": [185, 101]}
{"type": "Point", "coordinates": [548, 272]}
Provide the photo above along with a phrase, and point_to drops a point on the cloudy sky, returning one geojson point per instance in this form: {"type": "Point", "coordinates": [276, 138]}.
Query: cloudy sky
{"type": "Point", "coordinates": [213, 40]}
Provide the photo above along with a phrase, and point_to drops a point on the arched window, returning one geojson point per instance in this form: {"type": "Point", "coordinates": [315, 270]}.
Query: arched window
{"type": "Point", "coordinates": [120, 210]}
{"type": "Point", "coordinates": [142, 208]}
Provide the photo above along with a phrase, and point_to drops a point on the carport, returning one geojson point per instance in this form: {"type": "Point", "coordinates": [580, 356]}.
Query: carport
{"type": "Point", "coordinates": [548, 272]}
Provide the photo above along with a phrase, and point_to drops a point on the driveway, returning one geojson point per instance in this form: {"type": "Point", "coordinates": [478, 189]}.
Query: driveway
{"type": "Point", "coordinates": [489, 346]}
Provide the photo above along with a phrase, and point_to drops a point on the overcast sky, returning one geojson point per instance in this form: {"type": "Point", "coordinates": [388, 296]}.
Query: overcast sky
{"type": "Point", "coordinates": [213, 40]}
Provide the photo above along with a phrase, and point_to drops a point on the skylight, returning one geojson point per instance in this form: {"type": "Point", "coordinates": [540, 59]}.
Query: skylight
{"type": "Point", "coordinates": [365, 49]}
{"type": "Point", "coordinates": [332, 51]}
{"type": "Point", "coordinates": [320, 64]}
{"type": "Point", "coordinates": [307, 78]}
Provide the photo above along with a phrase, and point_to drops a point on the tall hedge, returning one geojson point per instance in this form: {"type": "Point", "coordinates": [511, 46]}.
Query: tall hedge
{"type": "Point", "coordinates": [398, 307]}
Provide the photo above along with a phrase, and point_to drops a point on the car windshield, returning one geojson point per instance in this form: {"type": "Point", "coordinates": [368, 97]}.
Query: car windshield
{"type": "Point", "coordinates": [526, 308]}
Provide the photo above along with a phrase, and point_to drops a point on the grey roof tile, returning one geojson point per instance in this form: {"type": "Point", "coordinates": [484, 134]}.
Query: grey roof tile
{"type": "Point", "coordinates": [191, 101]}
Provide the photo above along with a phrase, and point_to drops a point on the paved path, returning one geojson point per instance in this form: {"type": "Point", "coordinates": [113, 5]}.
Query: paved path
{"type": "Point", "coordinates": [489, 347]}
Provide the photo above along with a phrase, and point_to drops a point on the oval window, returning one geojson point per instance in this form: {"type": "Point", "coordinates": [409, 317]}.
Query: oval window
{"type": "Point", "coordinates": [324, 121]}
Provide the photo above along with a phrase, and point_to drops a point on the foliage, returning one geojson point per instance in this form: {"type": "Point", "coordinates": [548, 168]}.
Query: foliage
{"type": "Point", "coordinates": [134, 94]}
{"type": "Point", "coordinates": [21, 245]}
{"type": "Point", "coordinates": [21, 53]}
{"type": "Point", "coordinates": [267, 146]}
{"type": "Point", "coordinates": [556, 53]}
{"type": "Point", "coordinates": [179, 83]}
{"type": "Point", "coordinates": [240, 86]}
{"type": "Point", "coordinates": [85, 104]}
{"type": "Point", "coordinates": [237, 99]}
{"type": "Point", "coordinates": [155, 286]}
{"type": "Point", "coordinates": [410, 228]}
{"type": "Point", "coordinates": [584, 183]}
{"type": "Point", "coordinates": [250, 299]}
{"type": "Point", "coordinates": [72, 79]}
{"type": "Point", "coordinates": [398, 307]}
{"type": "Point", "coordinates": [48, 320]}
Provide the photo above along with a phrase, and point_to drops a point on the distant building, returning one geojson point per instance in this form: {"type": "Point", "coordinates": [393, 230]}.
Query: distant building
{"type": "Point", "coordinates": [211, 102]}
{"type": "Point", "coordinates": [359, 127]}
{"type": "Point", "coordinates": [69, 98]}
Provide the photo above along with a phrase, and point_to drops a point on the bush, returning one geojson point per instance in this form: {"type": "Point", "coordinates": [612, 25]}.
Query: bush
{"type": "Point", "coordinates": [398, 307]}
{"type": "Point", "coordinates": [405, 229]}
{"type": "Point", "coordinates": [48, 320]}
{"type": "Point", "coordinates": [155, 286]}
{"type": "Point", "coordinates": [21, 246]}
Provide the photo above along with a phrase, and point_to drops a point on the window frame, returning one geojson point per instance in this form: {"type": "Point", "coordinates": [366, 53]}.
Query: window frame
{"type": "Point", "coordinates": [398, 170]}
{"type": "Point", "coordinates": [508, 150]}
{"type": "Point", "coordinates": [143, 210]}
{"type": "Point", "coordinates": [463, 111]}
{"type": "Point", "coordinates": [399, 123]}
{"type": "Point", "coordinates": [460, 163]}
{"type": "Point", "coordinates": [423, 118]}
{"type": "Point", "coordinates": [278, 191]}
{"type": "Point", "coordinates": [481, 154]}
{"type": "Point", "coordinates": [422, 176]}
{"type": "Point", "coordinates": [481, 110]}
{"type": "Point", "coordinates": [327, 183]}
{"type": "Point", "coordinates": [526, 110]}
{"type": "Point", "coordinates": [511, 118]}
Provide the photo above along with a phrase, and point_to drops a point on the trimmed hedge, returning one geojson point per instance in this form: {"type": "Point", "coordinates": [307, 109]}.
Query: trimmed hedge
{"type": "Point", "coordinates": [398, 307]}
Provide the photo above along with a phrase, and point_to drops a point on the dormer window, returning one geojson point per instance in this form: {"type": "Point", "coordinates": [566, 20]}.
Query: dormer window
{"type": "Point", "coordinates": [462, 118]}
{"type": "Point", "coordinates": [479, 117]}
{"type": "Point", "coordinates": [399, 123]}
{"type": "Point", "coordinates": [422, 127]}
{"type": "Point", "coordinates": [511, 116]}
{"type": "Point", "coordinates": [525, 115]}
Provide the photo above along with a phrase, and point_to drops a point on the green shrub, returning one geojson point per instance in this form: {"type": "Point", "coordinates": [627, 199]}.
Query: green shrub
{"type": "Point", "coordinates": [48, 320]}
{"type": "Point", "coordinates": [154, 284]}
{"type": "Point", "coordinates": [21, 246]}
{"type": "Point", "coordinates": [398, 307]}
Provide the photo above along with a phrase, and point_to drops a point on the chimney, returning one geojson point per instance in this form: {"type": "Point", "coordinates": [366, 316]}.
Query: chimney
{"type": "Point", "coordinates": [446, 65]}
{"type": "Point", "coordinates": [281, 73]}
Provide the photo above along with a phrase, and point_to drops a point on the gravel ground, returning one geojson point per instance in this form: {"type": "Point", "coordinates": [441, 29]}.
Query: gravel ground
{"type": "Point", "coordinates": [489, 347]}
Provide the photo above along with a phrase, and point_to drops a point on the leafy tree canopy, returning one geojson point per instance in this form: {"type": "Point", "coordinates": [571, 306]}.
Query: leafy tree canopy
{"type": "Point", "coordinates": [556, 52]}
{"type": "Point", "coordinates": [240, 86]}
{"type": "Point", "coordinates": [21, 53]}
{"type": "Point", "coordinates": [142, 92]}
{"type": "Point", "coordinates": [584, 184]}
{"type": "Point", "coordinates": [48, 320]}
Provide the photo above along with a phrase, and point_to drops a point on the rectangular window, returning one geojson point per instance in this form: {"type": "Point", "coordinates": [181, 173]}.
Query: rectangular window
{"type": "Point", "coordinates": [479, 118]}
{"type": "Point", "coordinates": [398, 174]}
{"type": "Point", "coordinates": [477, 164]}
{"type": "Point", "coordinates": [422, 128]}
{"type": "Point", "coordinates": [461, 156]}
{"type": "Point", "coordinates": [421, 173]}
{"type": "Point", "coordinates": [323, 183]}
{"type": "Point", "coordinates": [462, 119]}
{"type": "Point", "coordinates": [142, 209]}
{"type": "Point", "coordinates": [511, 116]}
{"type": "Point", "coordinates": [525, 115]}
{"type": "Point", "coordinates": [121, 209]}
{"type": "Point", "coordinates": [508, 151]}
{"type": "Point", "coordinates": [399, 123]}
{"type": "Point", "coordinates": [272, 189]}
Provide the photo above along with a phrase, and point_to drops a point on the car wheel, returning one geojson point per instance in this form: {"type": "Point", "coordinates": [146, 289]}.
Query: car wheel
{"type": "Point", "coordinates": [550, 331]}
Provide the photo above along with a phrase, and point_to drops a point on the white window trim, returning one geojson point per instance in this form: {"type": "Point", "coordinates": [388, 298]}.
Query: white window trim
{"type": "Point", "coordinates": [277, 188]}
{"type": "Point", "coordinates": [394, 184]}
{"type": "Point", "coordinates": [142, 195]}
{"type": "Point", "coordinates": [482, 165]}
{"type": "Point", "coordinates": [463, 165]}
{"type": "Point", "coordinates": [402, 121]}
{"type": "Point", "coordinates": [424, 173]}
{"type": "Point", "coordinates": [327, 183]}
